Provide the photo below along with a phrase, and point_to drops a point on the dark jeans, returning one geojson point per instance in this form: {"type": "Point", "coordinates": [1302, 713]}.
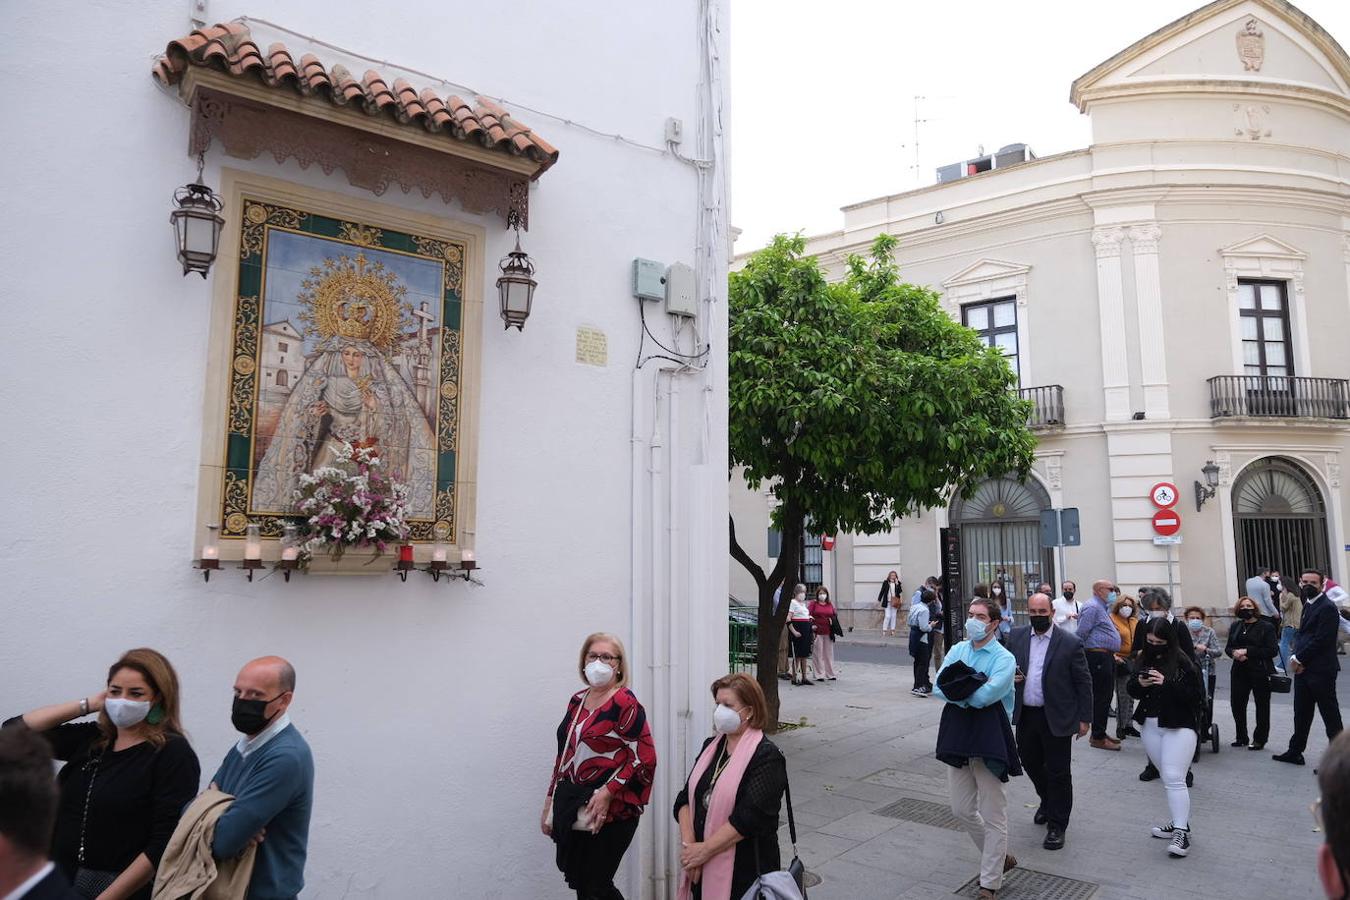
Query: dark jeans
{"type": "Point", "coordinates": [922, 652]}
{"type": "Point", "coordinates": [592, 859]}
{"type": "Point", "coordinates": [1246, 683]}
{"type": "Point", "coordinates": [1314, 690]}
{"type": "Point", "coordinates": [1045, 759]}
{"type": "Point", "coordinates": [1102, 668]}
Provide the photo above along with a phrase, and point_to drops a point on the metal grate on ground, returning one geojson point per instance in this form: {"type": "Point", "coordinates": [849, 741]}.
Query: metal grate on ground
{"type": "Point", "coordinates": [1028, 884]}
{"type": "Point", "coordinates": [924, 812]}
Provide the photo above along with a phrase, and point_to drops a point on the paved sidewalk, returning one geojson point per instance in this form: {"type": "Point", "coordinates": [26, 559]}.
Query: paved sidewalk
{"type": "Point", "coordinates": [869, 743]}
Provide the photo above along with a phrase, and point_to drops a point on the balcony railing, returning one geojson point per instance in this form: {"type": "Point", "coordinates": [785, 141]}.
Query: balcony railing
{"type": "Point", "coordinates": [1047, 405]}
{"type": "Point", "coordinates": [1272, 396]}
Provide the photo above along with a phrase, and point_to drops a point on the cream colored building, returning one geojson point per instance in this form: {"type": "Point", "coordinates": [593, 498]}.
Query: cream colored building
{"type": "Point", "coordinates": [1177, 293]}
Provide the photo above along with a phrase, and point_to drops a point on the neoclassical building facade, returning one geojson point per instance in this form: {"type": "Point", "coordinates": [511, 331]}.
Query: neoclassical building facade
{"type": "Point", "coordinates": [1176, 294]}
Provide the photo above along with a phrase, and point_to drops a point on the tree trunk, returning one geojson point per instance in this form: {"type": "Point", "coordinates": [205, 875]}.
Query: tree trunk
{"type": "Point", "coordinates": [770, 625]}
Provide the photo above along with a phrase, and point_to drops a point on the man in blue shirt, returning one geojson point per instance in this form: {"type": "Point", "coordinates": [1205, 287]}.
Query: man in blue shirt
{"type": "Point", "coordinates": [270, 773]}
{"type": "Point", "coordinates": [979, 797]}
{"type": "Point", "coordinates": [1100, 640]}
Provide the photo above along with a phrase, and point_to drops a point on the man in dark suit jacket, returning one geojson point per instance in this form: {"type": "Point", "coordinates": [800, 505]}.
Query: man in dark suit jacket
{"type": "Point", "coordinates": [1052, 706]}
{"type": "Point", "coordinates": [27, 816]}
{"type": "Point", "coordinates": [1314, 666]}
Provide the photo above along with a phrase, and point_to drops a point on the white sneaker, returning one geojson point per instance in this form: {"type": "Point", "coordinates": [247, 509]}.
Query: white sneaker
{"type": "Point", "coordinates": [1164, 832]}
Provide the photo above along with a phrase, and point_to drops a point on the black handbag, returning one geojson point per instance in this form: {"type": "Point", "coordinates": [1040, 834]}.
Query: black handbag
{"type": "Point", "coordinates": [795, 869]}
{"type": "Point", "coordinates": [1280, 684]}
{"type": "Point", "coordinates": [90, 883]}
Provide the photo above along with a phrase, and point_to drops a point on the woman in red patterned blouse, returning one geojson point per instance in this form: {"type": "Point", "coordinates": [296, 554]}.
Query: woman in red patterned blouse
{"type": "Point", "coordinates": [602, 776]}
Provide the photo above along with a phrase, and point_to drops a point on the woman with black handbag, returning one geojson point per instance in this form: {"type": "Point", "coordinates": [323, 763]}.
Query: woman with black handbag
{"type": "Point", "coordinates": [728, 809]}
{"type": "Point", "coordinates": [1253, 646]}
{"type": "Point", "coordinates": [602, 775]}
{"type": "Point", "coordinates": [126, 778]}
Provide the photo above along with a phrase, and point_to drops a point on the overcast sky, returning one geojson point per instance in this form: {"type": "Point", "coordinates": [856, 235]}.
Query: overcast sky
{"type": "Point", "coordinates": [822, 94]}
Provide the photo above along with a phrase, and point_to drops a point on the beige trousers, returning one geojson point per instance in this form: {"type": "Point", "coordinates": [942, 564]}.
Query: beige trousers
{"type": "Point", "coordinates": [980, 801]}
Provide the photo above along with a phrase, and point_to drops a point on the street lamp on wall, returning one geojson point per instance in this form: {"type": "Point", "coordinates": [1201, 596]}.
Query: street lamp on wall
{"type": "Point", "coordinates": [515, 287]}
{"type": "Point", "coordinates": [1207, 490]}
{"type": "Point", "coordinates": [197, 223]}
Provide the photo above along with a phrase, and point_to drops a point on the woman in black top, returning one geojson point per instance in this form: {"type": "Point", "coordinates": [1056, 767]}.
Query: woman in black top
{"type": "Point", "coordinates": [750, 829]}
{"type": "Point", "coordinates": [126, 779]}
{"type": "Point", "coordinates": [1253, 646]}
{"type": "Point", "coordinates": [1167, 685]}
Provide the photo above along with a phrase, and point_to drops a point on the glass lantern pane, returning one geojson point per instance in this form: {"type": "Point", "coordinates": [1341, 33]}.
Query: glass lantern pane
{"type": "Point", "coordinates": [977, 317]}
{"type": "Point", "coordinates": [201, 235]}
{"type": "Point", "coordinates": [1270, 297]}
{"type": "Point", "coordinates": [1005, 314]}
{"type": "Point", "coordinates": [1246, 296]}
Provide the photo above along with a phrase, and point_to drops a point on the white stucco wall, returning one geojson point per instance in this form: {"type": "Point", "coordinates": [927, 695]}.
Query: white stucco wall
{"type": "Point", "coordinates": [430, 708]}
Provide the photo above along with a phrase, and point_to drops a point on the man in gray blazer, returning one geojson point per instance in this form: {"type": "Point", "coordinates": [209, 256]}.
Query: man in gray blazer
{"type": "Point", "coordinates": [1053, 707]}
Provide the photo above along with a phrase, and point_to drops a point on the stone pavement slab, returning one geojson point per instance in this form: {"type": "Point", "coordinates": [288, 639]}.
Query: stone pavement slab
{"type": "Point", "coordinates": [868, 743]}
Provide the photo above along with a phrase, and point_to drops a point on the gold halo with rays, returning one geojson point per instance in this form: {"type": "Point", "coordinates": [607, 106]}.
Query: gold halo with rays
{"type": "Point", "coordinates": [354, 298]}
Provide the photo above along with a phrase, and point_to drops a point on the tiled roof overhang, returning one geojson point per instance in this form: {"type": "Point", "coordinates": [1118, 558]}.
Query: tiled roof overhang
{"type": "Point", "coordinates": [475, 153]}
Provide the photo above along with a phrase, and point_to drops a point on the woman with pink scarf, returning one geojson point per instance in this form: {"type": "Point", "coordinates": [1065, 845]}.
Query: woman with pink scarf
{"type": "Point", "coordinates": [728, 810]}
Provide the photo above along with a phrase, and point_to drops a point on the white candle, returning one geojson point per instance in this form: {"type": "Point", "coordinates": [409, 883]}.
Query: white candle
{"type": "Point", "coordinates": [289, 553]}
{"type": "Point", "coordinates": [253, 549]}
{"type": "Point", "coordinates": [210, 553]}
{"type": "Point", "coordinates": [466, 556]}
{"type": "Point", "coordinates": [438, 555]}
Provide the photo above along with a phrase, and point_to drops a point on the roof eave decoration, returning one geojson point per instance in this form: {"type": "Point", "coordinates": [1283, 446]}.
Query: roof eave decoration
{"type": "Point", "coordinates": [378, 132]}
{"type": "Point", "coordinates": [1085, 87]}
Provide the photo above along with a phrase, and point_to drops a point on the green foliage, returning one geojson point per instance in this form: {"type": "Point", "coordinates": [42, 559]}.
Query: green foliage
{"type": "Point", "coordinates": [862, 400]}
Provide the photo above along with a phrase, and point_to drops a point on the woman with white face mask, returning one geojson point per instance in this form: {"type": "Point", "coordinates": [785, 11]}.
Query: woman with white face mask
{"type": "Point", "coordinates": [602, 775]}
{"type": "Point", "coordinates": [126, 779]}
{"type": "Point", "coordinates": [728, 809]}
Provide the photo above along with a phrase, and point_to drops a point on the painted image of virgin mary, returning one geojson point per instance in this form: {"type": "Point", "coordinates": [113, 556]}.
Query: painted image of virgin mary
{"type": "Point", "coordinates": [349, 393]}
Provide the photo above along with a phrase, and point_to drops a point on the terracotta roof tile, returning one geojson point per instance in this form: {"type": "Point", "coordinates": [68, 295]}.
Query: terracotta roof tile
{"type": "Point", "coordinates": [230, 48]}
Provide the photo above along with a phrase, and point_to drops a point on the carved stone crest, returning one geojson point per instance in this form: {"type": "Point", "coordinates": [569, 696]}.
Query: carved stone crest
{"type": "Point", "coordinates": [1251, 46]}
{"type": "Point", "coordinates": [1251, 121]}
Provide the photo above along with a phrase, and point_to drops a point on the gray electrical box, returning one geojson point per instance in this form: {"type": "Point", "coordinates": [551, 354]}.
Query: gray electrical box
{"type": "Point", "coordinates": [1059, 528]}
{"type": "Point", "coordinates": [649, 279]}
{"type": "Point", "coordinates": [681, 297]}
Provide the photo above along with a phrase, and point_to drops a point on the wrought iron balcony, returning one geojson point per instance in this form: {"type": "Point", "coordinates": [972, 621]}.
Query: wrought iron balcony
{"type": "Point", "coordinates": [1047, 405]}
{"type": "Point", "coordinates": [1278, 396]}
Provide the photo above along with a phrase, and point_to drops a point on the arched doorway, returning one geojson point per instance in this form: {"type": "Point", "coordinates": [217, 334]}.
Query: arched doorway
{"type": "Point", "coordinates": [1001, 539]}
{"type": "Point", "coordinates": [1279, 519]}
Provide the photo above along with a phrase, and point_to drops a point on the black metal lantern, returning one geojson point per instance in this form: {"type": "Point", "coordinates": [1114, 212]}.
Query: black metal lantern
{"type": "Point", "coordinates": [516, 286]}
{"type": "Point", "coordinates": [1207, 490]}
{"type": "Point", "coordinates": [197, 223]}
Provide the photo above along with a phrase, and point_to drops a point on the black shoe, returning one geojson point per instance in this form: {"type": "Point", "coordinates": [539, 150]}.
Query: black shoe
{"type": "Point", "coordinates": [1132, 731]}
{"type": "Point", "coordinates": [1054, 838]}
{"type": "Point", "coordinates": [1260, 746]}
{"type": "Point", "coordinates": [1150, 773]}
{"type": "Point", "coordinates": [1290, 756]}
{"type": "Point", "coordinates": [1121, 734]}
{"type": "Point", "coordinates": [785, 676]}
{"type": "Point", "coordinates": [1190, 778]}
{"type": "Point", "coordinates": [1039, 818]}
{"type": "Point", "coordinates": [1241, 742]}
{"type": "Point", "coordinates": [807, 681]}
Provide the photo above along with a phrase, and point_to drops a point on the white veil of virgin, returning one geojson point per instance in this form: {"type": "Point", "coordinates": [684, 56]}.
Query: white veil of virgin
{"type": "Point", "coordinates": [350, 393]}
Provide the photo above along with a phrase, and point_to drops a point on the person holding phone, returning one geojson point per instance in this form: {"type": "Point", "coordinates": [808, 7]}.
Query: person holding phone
{"type": "Point", "coordinates": [1167, 685]}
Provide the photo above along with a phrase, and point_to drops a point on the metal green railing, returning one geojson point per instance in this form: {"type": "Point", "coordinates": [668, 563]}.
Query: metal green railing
{"type": "Point", "coordinates": [742, 646]}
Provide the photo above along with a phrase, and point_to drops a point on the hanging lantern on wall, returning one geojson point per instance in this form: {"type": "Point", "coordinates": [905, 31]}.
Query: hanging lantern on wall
{"type": "Point", "coordinates": [197, 223]}
{"type": "Point", "coordinates": [516, 285]}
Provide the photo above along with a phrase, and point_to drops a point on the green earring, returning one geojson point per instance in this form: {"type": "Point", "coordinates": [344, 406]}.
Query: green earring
{"type": "Point", "coordinates": [156, 715]}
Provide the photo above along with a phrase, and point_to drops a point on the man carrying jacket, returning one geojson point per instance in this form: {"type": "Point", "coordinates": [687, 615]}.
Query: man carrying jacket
{"type": "Point", "coordinates": [1314, 667]}
{"type": "Point", "coordinates": [1053, 707]}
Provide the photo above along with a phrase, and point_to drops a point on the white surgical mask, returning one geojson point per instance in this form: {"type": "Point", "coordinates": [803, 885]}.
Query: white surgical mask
{"type": "Point", "coordinates": [1158, 614]}
{"type": "Point", "coordinates": [976, 630]}
{"type": "Point", "coordinates": [725, 719]}
{"type": "Point", "coordinates": [821, 598]}
{"type": "Point", "coordinates": [126, 713]}
{"type": "Point", "coordinates": [599, 673]}
{"type": "Point", "coordinates": [1126, 611]}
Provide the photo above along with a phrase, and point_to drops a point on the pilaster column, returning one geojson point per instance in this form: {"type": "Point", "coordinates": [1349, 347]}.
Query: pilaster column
{"type": "Point", "coordinates": [1148, 298]}
{"type": "Point", "coordinates": [1111, 307]}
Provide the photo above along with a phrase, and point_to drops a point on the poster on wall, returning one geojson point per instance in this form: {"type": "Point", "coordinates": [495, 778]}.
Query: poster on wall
{"type": "Point", "coordinates": [343, 333]}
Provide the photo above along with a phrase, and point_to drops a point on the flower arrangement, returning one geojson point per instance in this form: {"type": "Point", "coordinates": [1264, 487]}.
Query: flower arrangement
{"type": "Point", "coordinates": [352, 503]}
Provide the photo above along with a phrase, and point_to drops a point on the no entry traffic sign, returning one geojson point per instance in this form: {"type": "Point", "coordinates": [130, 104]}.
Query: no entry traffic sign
{"type": "Point", "coordinates": [1166, 522]}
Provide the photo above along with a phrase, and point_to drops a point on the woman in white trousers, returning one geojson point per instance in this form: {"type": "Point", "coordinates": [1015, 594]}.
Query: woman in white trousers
{"type": "Point", "coordinates": [1167, 685]}
{"type": "Point", "coordinates": [889, 598]}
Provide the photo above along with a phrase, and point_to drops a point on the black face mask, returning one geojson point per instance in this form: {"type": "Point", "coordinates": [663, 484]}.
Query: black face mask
{"type": "Point", "coordinates": [1309, 591]}
{"type": "Point", "coordinates": [1040, 624]}
{"type": "Point", "coordinates": [248, 716]}
{"type": "Point", "coordinates": [1246, 613]}
{"type": "Point", "coordinates": [1068, 595]}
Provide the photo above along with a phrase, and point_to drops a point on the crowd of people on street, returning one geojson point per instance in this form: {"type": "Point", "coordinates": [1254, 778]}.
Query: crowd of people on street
{"type": "Point", "coordinates": [124, 818]}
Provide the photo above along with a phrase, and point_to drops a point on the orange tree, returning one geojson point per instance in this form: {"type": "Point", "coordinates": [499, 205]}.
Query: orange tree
{"type": "Point", "coordinates": [857, 402]}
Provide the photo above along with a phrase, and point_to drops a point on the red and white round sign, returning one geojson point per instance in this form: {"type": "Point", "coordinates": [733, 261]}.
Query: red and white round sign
{"type": "Point", "coordinates": [1166, 522]}
{"type": "Point", "coordinates": [1164, 495]}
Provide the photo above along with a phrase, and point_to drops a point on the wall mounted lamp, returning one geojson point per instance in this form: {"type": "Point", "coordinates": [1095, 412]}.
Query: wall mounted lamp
{"type": "Point", "coordinates": [1207, 490]}
{"type": "Point", "coordinates": [197, 223]}
{"type": "Point", "coordinates": [515, 286]}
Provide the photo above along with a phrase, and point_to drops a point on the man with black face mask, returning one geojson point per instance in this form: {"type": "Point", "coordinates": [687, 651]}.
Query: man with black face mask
{"type": "Point", "coordinates": [270, 773]}
{"type": "Point", "coordinates": [1314, 667]}
{"type": "Point", "coordinates": [1052, 707]}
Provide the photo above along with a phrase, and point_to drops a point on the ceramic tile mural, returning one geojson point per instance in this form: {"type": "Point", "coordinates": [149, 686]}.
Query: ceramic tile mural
{"type": "Point", "coordinates": [343, 332]}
